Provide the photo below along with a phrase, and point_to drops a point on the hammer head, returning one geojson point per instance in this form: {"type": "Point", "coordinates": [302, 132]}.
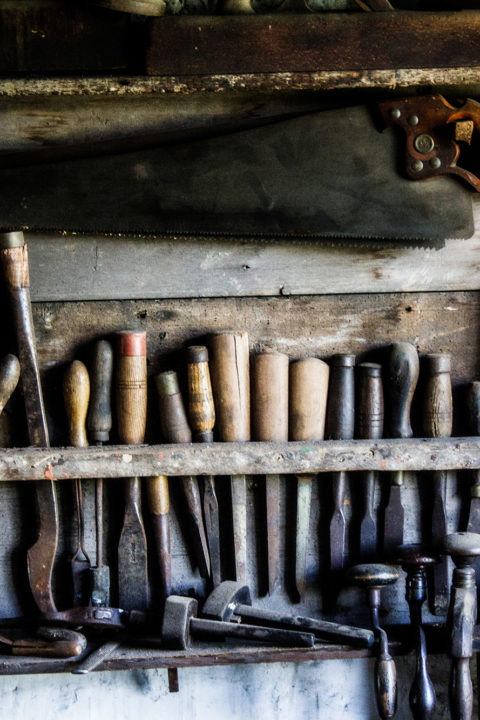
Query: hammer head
{"type": "Point", "coordinates": [176, 621]}
{"type": "Point", "coordinates": [223, 601]}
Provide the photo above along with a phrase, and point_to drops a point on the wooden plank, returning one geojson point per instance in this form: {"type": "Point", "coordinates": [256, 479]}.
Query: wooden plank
{"type": "Point", "coordinates": [253, 458]}
{"type": "Point", "coordinates": [312, 42]}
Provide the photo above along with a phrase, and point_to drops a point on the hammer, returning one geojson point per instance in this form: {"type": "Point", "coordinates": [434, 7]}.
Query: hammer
{"type": "Point", "coordinates": [231, 601]}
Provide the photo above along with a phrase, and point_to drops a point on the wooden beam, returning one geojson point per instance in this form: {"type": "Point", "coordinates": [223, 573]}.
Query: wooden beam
{"type": "Point", "coordinates": [239, 458]}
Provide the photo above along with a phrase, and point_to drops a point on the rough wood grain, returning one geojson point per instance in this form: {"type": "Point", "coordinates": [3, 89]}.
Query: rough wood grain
{"type": "Point", "coordinates": [302, 43]}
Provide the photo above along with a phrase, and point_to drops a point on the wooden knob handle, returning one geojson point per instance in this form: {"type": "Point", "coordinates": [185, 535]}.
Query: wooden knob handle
{"type": "Point", "coordinates": [372, 575]}
{"type": "Point", "coordinates": [229, 364]}
{"type": "Point", "coordinates": [341, 398]}
{"type": "Point", "coordinates": [414, 555]}
{"type": "Point", "coordinates": [308, 399]}
{"type": "Point", "coordinates": [437, 408]}
{"type": "Point", "coordinates": [173, 419]}
{"type": "Point", "coordinates": [473, 407]}
{"type": "Point", "coordinates": [131, 387]}
{"type": "Point", "coordinates": [201, 409]}
{"type": "Point", "coordinates": [99, 419]}
{"type": "Point", "coordinates": [270, 397]}
{"type": "Point", "coordinates": [76, 393]}
{"type": "Point", "coordinates": [462, 544]}
{"type": "Point", "coordinates": [9, 376]}
{"type": "Point", "coordinates": [403, 369]}
{"type": "Point", "coordinates": [369, 407]}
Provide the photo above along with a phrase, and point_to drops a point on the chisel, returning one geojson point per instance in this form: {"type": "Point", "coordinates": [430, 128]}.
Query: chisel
{"type": "Point", "coordinates": [402, 377]}
{"type": "Point", "coordinates": [270, 423]}
{"type": "Point", "coordinates": [131, 398]}
{"type": "Point", "coordinates": [231, 391]}
{"type": "Point", "coordinates": [41, 556]}
{"type": "Point", "coordinates": [76, 394]}
{"type": "Point", "coordinates": [308, 385]}
{"type": "Point", "coordinates": [437, 422]}
{"type": "Point", "coordinates": [175, 429]}
{"type": "Point", "coordinates": [9, 377]}
{"type": "Point", "coordinates": [369, 425]}
{"type": "Point", "coordinates": [473, 413]}
{"type": "Point", "coordinates": [99, 424]}
{"type": "Point", "coordinates": [340, 426]}
{"type": "Point", "coordinates": [201, 411]}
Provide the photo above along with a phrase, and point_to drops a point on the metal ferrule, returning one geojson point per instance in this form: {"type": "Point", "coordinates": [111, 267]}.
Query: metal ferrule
{"type": "Point", "coordinates": [464, 578]}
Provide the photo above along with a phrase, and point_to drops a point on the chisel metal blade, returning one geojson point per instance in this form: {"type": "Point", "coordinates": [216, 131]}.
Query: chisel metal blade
{"type": "Point", "coordinates": [337, 524]}
{"type": "Point", "coordinates": [368, 525]}
{"type": "Point", "coordinates": [272, 496]}
{"type": "Point", "coordinates": [394, 517]}
{"type": "Point", "coordinates": [197, 532]}
{"type": "Point", "coordinates": [441, 582]}
{"type": "Point", "coordinates": [238, 484]}
{"type": "Point", "coordinates": [133, 588]}
{"type": "Point", "coordinates": [212, 528]}
{"type": "Point", "coordinates": [304, 497]}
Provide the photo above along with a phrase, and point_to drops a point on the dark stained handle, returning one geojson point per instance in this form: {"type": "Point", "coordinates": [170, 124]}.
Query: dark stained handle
{"type": "Point", "coordinates": [173, 418]}
{"type": "Point", "coordinates": [341, 398]}
{"type": "Point", "coordinates": [386, 686]}
{"type": "Point", "coordinates": [201, 409]}
{"type": "Point", "coordinates": [402, 377]}
{"type": "Point", "coordinates": [99, 419]}
{"type": "Point", "coordinates": [76, 394]}
{"type": "Point", "coordinates": [437, 408]}
{"type": "Point", "coordinates": [230, 368]}
{"type": "Point", "coordinates": [9, 376]}
{"type": "Point", "coordinates": [369, 406]}
{"type": "Point", "coordinates": [131, 387]}
{"type": "Point", "coordinates": [270, 397]}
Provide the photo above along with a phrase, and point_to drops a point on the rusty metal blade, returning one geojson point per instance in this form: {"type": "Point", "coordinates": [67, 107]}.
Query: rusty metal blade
{"type": "Point", "coordinates": [272, 497]}
{"type": "Point", "coordinates": [191, 493]}
{"type": "Point", "coordinates": [133, 588]}
{"type": "Point", "coordinates": [368, 525]}
{"type": "Point", "coordinates": [239, 516]}
{"type": "Point", "coordinates": [212, 528]}
{"type": "Point", "coordinates": [304, 497]}
{"type": "Point", "coordinates": [394, 517]}
{"type": "Point", "coordinates": [337, 523]}
{"type": "Point", "coordinates": [440, 599]}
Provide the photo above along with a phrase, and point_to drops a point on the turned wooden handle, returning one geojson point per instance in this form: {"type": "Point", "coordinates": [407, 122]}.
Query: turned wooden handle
{"type": "Point", "coordinates": [9, 376]}
{"type": "Point", "coordinates": [308, 399]}
{"type": "Point", "coordinates": [76, 394]}
{"type": "Point", "coordinates": [201, 408]}
{"type": "Point", "coordinates": [173, 418]}
{"type": "Point", "coordinates": [369, 409]}
{"type": "Point", "coordinates": [99, 419]}
{"type": "Point", "coordinates": [403, 369]}
{"type": "Point", "coordinates": [437, 407]}
{"type": "Point", "coordinates": [341, 398]}
{"type": "Point", "coordinates": [131, 381]}
{"type": "Point", "coordinates": [270, 397]}
{"type": "Point", "coordinates": [158, 495]}
{"type": "Point", "coordinates": [231, 385]}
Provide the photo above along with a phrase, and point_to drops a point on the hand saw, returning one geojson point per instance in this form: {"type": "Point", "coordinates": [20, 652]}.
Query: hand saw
{"type": "Point", "coordinates": [327, 174]}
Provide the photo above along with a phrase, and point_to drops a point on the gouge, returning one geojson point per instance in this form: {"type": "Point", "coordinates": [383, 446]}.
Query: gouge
{"type": "Point", "coordinates": [231, 391]}
{"type": "Point", "coordinates": [473, 417]}
{"type": "Point", "coordinates": [270, 423]}
{"type": "Point", "coordinates": [131, 396]}
{"type": "Point", "coordinates": [99, 424]}
{"type": "Point", "coordinates": [201, 411]}
{"type": "Point", "coordinates": [41, 556]}
{"type": "Point", "coordinates": [369, 425]}
{"type": "Point", "coordinates": [340, 426]}
{"type": "Point", "coordinates": [402, 376]}
{"type": "Point", "coordinates": [437, 422]}
{"type": "Point", "coordinates": [76, 394]}
{"type": "Point", "coordinates": [307, 407]}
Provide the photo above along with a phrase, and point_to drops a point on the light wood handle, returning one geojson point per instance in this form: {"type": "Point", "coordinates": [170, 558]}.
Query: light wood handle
{"type": "Point", "coordinates": [231, 385]}
{"type": "Point", "coordinates": [308, 399]}
{"type": "Point", "coordinates": [270, 397]}
{"type": "Point", "coordinates": [201, 408]}
{"type": "Point", "coordinates": [76, 394]}
{"type": "Point", "coordinates": [158, 495]}
{"type": "Point", "coordinates": [131, 381]}
{"type": "Point", "coordinates": [437, 408]}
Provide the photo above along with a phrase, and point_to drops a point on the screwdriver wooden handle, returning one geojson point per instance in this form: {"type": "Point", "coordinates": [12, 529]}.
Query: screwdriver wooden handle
{"type": "Point", "coordinates": [229, 366]}
{"type": "Point", "coordinates": [270, 397]}
{"type": "Point", "coordinates": [76, 394]}
{"type": "Point", "coordinates": [201, 408]}
{"type": "Point", "coordinates": [403, 369]}
{"type": "Point", "coordinates": [131, 380]}
{"type": "Point", "coordinates": [99, 419]}
{"type": "Point", "coordinates": [437, 408]}
{"type": "Point", "coordinates": [9, 376]}
{"type": "Point", "coordinates": [369, 408]}
{"type": "Point", "coordinates": [308, 399]}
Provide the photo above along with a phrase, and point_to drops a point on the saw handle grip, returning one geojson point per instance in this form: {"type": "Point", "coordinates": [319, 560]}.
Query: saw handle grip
{"type": "Point", "coordinates": [341, 398]}
{"type": "Point", "coordinates": [9, 377]}
{"type": "Point", "coordinates": [230, 370]}
{"type": "Point", "coordinates": [270, 397]}
{"type": "Point", "coordinates": [437, 409]}
{"type": "Point", "coordinates": [201, 408]}
{"type": "Point", "coordinates": [76, 394]}
{"type": "Point", "coordinates": [403, 370]}
{"type": "Point", "coordinates": [99, 419]}
{"type": "Point", "coordinates": [308, 399]}
{"type": "Point", "coordinates": [369, 407]}
{"type": "Point", "coordinates": [131, 381]}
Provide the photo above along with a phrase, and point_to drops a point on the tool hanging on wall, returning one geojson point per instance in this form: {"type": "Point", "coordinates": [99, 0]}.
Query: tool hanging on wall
{"type": "Point", "coordinates": [41, 556]}
{"type": "Point", "coordinates": [270, 423]}
{"type": "Point", "coordinates": [230, 369]}
{"type": "Point", "coordinates": [308, 386]}
{"type": "Point", "coordinates": [473, 423]}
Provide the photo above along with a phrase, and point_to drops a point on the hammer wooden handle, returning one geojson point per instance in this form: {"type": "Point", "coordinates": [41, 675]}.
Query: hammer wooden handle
{"type": "Point", "coordinates": [76, 394]}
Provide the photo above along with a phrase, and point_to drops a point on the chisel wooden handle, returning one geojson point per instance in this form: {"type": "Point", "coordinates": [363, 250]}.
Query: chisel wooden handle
{"type": "Point", "coordinates": [9, 377]}
{"type": "Point", "coordinates": [201, 410]}
{"type": "Point", "coordinates": [230, 370]}
{"type": "Point", "coordinates": [76, 395]}
{"type": "Point", "coordinates": [270, 423]}
{"type": "Point", "coordinates": [99, 419]}
{"type": "Point", "coordinates": [308, 386]}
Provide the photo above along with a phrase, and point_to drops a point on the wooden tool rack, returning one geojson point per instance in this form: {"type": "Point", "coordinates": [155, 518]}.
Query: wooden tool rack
{"type": "Point", "coordinates": [301, 298]}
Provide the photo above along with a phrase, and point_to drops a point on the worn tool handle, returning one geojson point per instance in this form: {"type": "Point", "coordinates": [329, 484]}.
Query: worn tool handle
{"type": "Point", "coordinates": [402, 378]}
{"type": "Point", "coordinates": [229, 365]}
{"type": "Point", "coordinates": [201, 408]}
{"type": "Point", "coordinates": [369, 406]}
{"type": "Point", "coordinates": [99, 419]}
{"type": "Point", "coordinates": [341, 398]}
{"type": "Point", "coordinates": [270, 397]}
{"type": "Point", "coordinates": [159, 504]}
{"type": "Point", "coordinates": [9, 377]}
{"type": "Point", "coordinates": [473, 407]}
{"type": "Point", "coordinates": [61, 649]}
{"type": "Point", "coordinates": [308, 399]}
{"type": "Point", "coordinates": [437, 408]}
{"type": "Point", "coordinates": [131, 379]}
{"type": "Point", "coordinates": [173, 418]}
{"type": "Point", "coordinates": [76, 394]}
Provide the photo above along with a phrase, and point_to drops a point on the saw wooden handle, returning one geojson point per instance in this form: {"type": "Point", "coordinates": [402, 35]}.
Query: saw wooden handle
{"type": "Point", "coordinates": [231, 385]}
{"type": "Point", "coordinates": [76, 394]}
{"type": "Point", "coordinates": [131, 387]}
{"type": "Point", "coordinates": [308, 399]}
{"type": "Point", "coordinates": [201, 408]}
{"type": "Point", "coordinates": [270, 397]}
{"type": "Point", "coordinates": [437, 408]}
